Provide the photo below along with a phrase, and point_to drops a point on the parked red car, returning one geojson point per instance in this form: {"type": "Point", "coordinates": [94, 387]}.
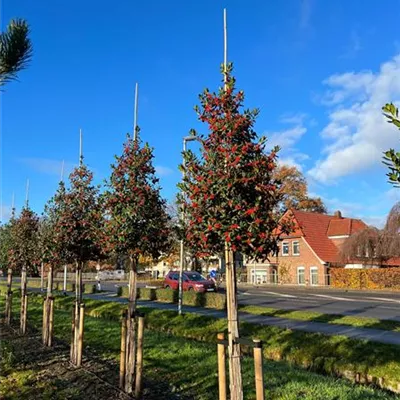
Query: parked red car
{"type": "Point", "coordinates": [191, 280]}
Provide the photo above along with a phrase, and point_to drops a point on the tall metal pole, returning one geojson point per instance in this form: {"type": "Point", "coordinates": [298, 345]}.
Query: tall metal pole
{"type": "Point", "coordinates": [182, 255]}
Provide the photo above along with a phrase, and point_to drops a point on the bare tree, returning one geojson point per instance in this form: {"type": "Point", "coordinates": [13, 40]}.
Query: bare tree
{"type": "Point", "coordinates": [373, 246]}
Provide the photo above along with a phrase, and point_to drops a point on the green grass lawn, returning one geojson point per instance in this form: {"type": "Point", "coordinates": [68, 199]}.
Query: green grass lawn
{"type": "Point", "coordinates": [360, 322]}
{"type": "Point", "coordinates": [188, 367]}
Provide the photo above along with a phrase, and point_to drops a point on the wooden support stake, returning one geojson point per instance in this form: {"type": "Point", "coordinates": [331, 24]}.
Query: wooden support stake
{"type": "Point", "coordinates": [8, 307]}
{"type": "Point", "coordinates": [80, 336]}
{"type": "Point", "coordinates": [122, 359]}
{"type": "Point", "coordinates": [258, 368]}
{"type": "Point", "coordinates": [139, 359]}
{"type": "Point", "coordinates": [51, 319]}
{"type": "Point", "coordinates": [44, 324]}
{"type": "Point", "coordinates": [221, 368]}
{"type": "Point", "coordinates": [131, 354]}
{"type": "Point", "coordinates": [24, 313]}
{"type": "Point", "coordinates": [72, 353]}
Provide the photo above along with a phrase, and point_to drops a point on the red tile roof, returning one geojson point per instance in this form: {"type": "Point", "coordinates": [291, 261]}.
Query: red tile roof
{"type": "Point", "coordinates": [316, 229]}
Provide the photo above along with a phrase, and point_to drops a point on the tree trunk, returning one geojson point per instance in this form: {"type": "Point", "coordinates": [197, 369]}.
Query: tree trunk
{"type": "Point", "coordinates": [78, 281]}
{"type": "Point", "coordinates": [23, 301]}
{"type": "Point", "coordinates": [50, 282]}
{"type": "Point", "coordinates": [23, 282]}
{"type": "Point", "coordinates": [131, 327]}
{"type": "Point", "coordinates": [9, 297]}
{"type": "Point", "coordinates": [235, 372]}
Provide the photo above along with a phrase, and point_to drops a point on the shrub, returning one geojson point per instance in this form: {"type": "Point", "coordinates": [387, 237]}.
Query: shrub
{"type": "Point", "coordinates": [373, 278]}
{"type": "Point", "coordinates": [215, 300]}
{"type": "Point", "coordinates": [192, 298]}
{"type": "Point", "coordinates": [147, 294]}
{"type": "Point", "coordinates": [88, 289]}
{"type": "Point", "coordinates": [167, 295]}
{"type": "Point", "coordinates": [123, 291]}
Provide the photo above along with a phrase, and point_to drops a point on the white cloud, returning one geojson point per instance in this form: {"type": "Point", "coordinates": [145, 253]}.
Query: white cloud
{"type": "Point", "coordinates": [163, 171]}
{"type": "Point", "coordinates": [47, 166]}
{"type": "Point", "coordinates": [357, 133]}
{"type": "Point", "coordinates": [286, 139]}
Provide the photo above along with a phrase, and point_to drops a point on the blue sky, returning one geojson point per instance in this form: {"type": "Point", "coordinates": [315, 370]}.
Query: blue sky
{"type": "Point", "coordinates": [318, 70]}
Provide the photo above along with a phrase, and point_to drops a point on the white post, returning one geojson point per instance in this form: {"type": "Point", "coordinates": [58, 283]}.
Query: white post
{"type": "Point", "coordinates": [65, 279]}
{"type": "Point", "coordinates": [135, 112]}
{"type": "Point", "coordinates": [80, 148]}
{"type": "Point", "coordinates": [254, 271]}
{"type": "Point", "coordinates": [27, 193]}
{"type": "Point", "coordinates": [182, 254]}
{"type": "Point", "coordinates": [41, 276]}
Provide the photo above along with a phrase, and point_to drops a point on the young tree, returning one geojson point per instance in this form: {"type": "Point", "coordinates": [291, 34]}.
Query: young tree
{"type": "Point", "coordinates": [51, 240]}
{"type": "Point", "coordinates": [294, 191]}
{"type": "Point", "coordinates": [5, 246]}
{"type": "Point", "coordinates": [78, 222]}
{"type": "Point", "coordinates": [231, 196]}
{"type": "Point", "coordinates": [25, 233]}
{"type": "Point", "coordinates": [391, 157]}
{"type": "Point", "coordinates": [25, 236]}
{"type": "Point", "coordinates": [137, 222]}
{"type": "Point", "coordinates": [15, 50]}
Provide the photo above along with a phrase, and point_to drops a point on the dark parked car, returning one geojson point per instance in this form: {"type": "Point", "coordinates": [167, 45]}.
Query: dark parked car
{"type": "Point", "coordinates": [190, 280]}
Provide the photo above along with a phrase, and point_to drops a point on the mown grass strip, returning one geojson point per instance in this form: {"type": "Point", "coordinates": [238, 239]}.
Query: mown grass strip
{"type": "Point", "coordinates": [189, 367]}
{"type": "Point", "coordinates": [357, 360]}
{"type": "Point", "coordinates": [312, 316]}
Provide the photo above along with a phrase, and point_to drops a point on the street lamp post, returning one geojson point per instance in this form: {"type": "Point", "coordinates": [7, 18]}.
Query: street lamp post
{"type": "Point", "coordinates": [182, 250]}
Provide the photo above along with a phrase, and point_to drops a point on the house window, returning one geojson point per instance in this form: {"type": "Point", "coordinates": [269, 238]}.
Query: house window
{"type": "Point", "coordinates": [296, 248]}
{"type": "Point", "coordinates": [285, 248]}
{"type": "Point", "coordinates": [301, 279]}
{"type": "Point", "coordinates": [314, 275]}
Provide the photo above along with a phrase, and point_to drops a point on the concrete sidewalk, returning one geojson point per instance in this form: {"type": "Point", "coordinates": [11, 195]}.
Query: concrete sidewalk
{"type": "Point", "coordinates": [374, 335]}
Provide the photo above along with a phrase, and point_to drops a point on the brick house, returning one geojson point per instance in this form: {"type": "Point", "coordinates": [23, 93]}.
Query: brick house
{"type": "Point", "coordinates": [306, 254]}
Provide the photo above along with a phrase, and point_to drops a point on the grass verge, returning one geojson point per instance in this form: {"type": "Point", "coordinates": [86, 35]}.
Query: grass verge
{"type": "Point", "coordinates": [312, 316]}
{"type": "Point", "coordinates": [357, 360]}
{"type": "Point", "coordinates": [187, 367]}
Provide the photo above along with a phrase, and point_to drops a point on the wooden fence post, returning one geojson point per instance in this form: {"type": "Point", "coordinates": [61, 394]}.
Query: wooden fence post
{"type": "Point", "coordinates": [139, 358]}
{"type": "Point", "coordinates": [122, 359]}
{"type": "Point", "coordinates": [80, 334]}
{"type": "Point", "coordinates": [258, 369]}
{"type": "Point", "coordinates": [221, 367]}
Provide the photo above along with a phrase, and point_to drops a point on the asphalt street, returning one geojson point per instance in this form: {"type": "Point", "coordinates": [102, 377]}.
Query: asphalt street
{"type": "Point", "coordinates": [375, 304]}
{"type": "Point", "coordinates": [381, 305]}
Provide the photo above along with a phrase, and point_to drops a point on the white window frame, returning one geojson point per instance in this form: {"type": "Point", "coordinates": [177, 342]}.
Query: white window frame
{"type": "Point", "coordinates": [312, 269]}
{"type": "Point", "coordinates": [298, 246]}
{"type": "Point", "coordinates": [298, 275]}
{"type": "Point", "coordinates": [288, 249]}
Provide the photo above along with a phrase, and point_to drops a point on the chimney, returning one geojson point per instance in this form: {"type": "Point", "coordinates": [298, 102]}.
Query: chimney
{"type": "Point", "coordinates": [338, 214]}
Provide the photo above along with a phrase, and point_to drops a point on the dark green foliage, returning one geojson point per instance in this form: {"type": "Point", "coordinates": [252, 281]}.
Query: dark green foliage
{"type": "Point", "coordinates": [391, 157]}
{"type": "Point", "coordinates": [15, 50]}
{"type": "Point", "coordinates": [232, 195]}
{"type": "Point", "coordinates": [24, 251]}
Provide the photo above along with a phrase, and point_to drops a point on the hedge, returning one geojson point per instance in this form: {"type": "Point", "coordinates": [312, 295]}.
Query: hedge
{"type": "Point", "coordinates": [190, 298]}
{"type": "Point", "coordinates": [89, 289]}
{"type": "Point", "coordinates": [372, 278]}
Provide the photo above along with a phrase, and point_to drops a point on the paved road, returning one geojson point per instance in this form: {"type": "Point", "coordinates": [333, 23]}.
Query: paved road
{"type": "Point", "coordinates": [382, 305]}
{"type": "Point", "coordinates": [375, 335]}
{"type": "Point", "coordinates": [374, 304]}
